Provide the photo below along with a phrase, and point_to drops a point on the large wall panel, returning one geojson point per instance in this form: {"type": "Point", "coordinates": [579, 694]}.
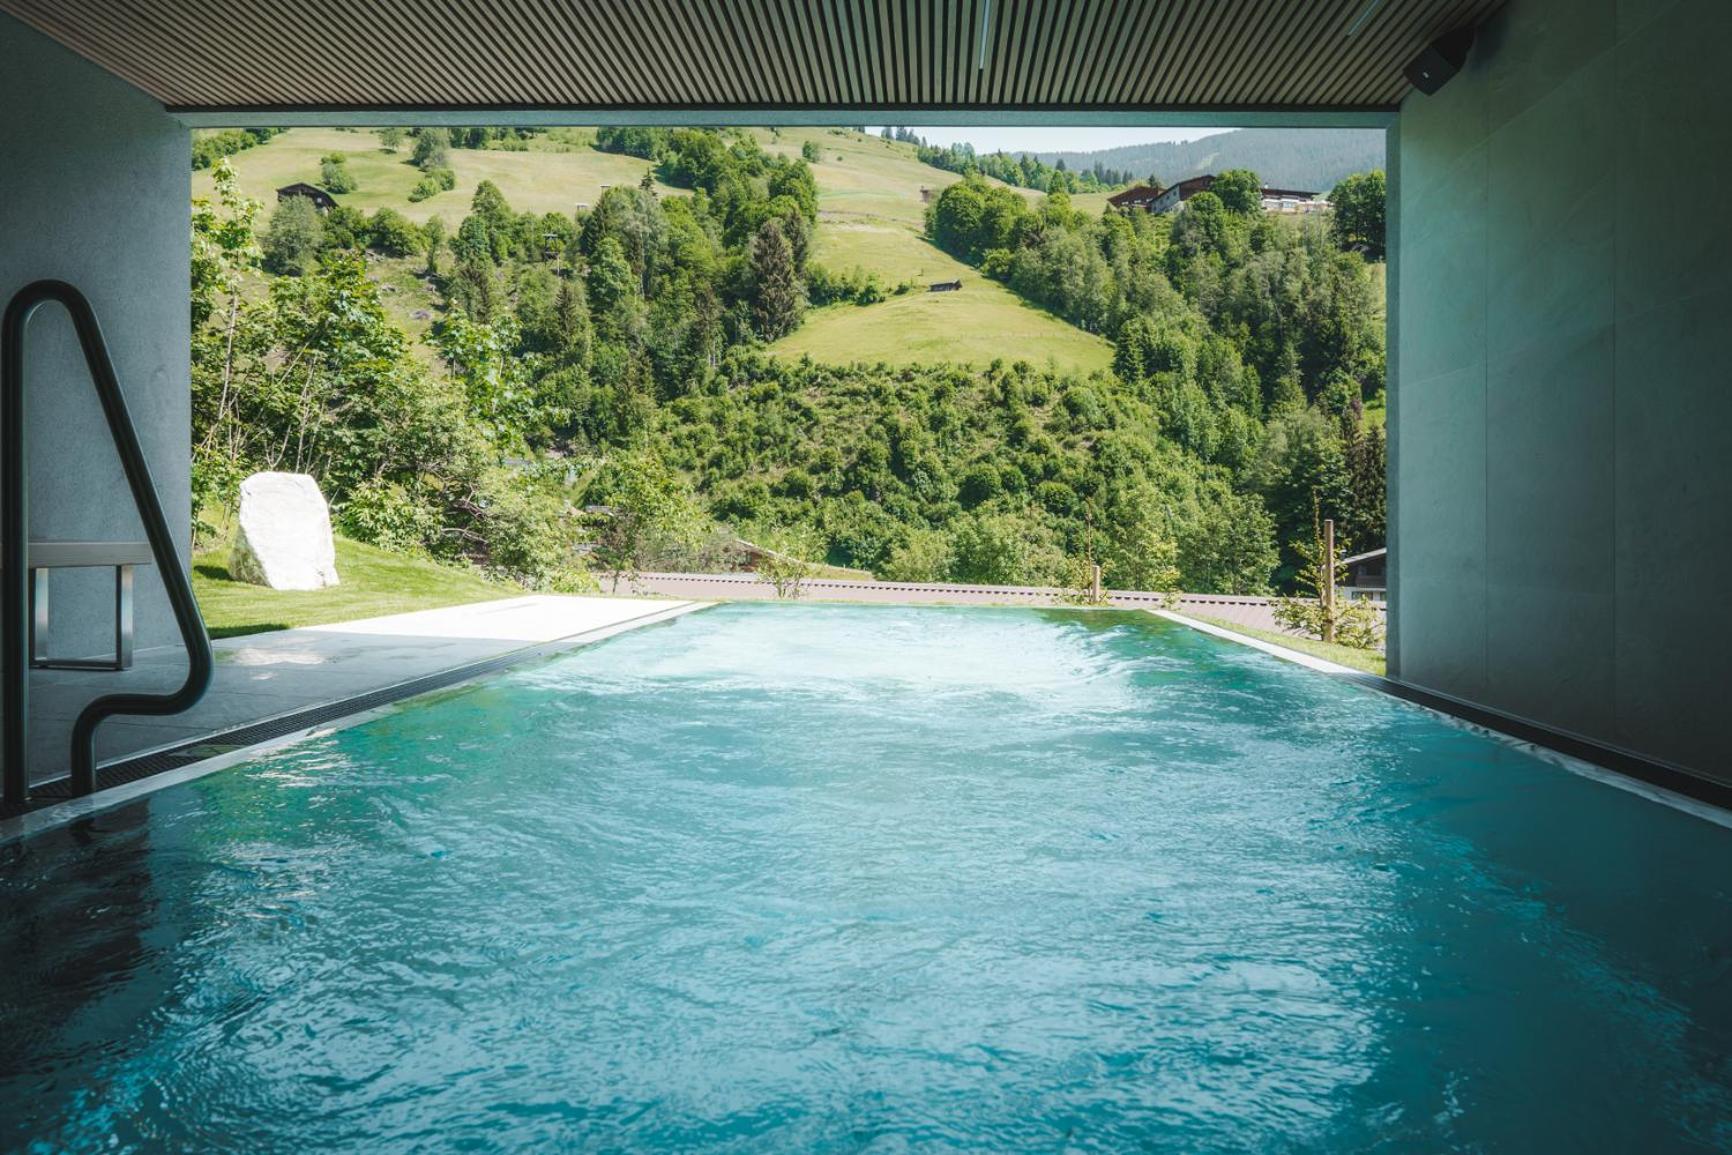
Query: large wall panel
{"type": "Point", "coordinates": [1562, 457]}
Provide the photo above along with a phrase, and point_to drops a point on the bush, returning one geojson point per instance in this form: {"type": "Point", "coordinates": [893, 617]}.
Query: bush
{"type": "Point", "coordinates": [382, 513]}
{"type": "Point", "coordinates": [334, 174]}
{"type": "Point", "coordinates": [392, 233]}
{"type": "Point", "coordinates": [922, 556]}
{"type": "Point", "coordinates": [432, 183]}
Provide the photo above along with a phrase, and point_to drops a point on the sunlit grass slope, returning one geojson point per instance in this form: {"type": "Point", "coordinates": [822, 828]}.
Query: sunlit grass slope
{"type": "Point", "coordinates": [871, 216]}
{"type": "Point", "coordinates": [374, 583]}
{"type": "Point", "coordinates": [555, 176]}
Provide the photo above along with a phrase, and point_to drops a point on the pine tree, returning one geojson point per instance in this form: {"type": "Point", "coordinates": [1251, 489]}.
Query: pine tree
{"type": "Point", "coordinates": [779, 297]}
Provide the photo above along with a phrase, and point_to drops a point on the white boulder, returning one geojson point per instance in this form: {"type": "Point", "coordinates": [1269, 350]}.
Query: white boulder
{"type": "Point", "coordinates": [284, 540]}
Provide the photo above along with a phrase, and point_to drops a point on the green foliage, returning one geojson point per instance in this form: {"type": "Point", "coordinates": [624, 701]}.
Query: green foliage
{"type": "Point", "coordinates": [591, 394]}
{"type": "Point", "coordinates": [295, 235]}
{"type": "Point", "coordinates": [433, 182]}
{"type": "Point", "coordinates": [395, 235]}
{"type": "Point", "coordinates": [923, 555]}
{"type": "Point", "coordinates": [1239, 190]}
{"type": "Point", "coordinates": [1357, 217]}
{"type": "Point", "coordinates": [390, 138]}
{"type": "Point", "coordinates": [778, 295]}
{"type": "Point", "coordinates": [811, 152]}
{"type": "Point", "coordinates": [647, 510]}
{"type": "Point", "coordinates": [1339, 619]}
{"type": "Point", "coordinates": [210, 147]}
{"type": "Point", "coordinates": [1023, 169]}
{"type": "Point", "coordinates": [432, 149]}
{"type": "Point", "coordinates": [855, 287]}
{"type": "Point", "coordinates": [334, 174]}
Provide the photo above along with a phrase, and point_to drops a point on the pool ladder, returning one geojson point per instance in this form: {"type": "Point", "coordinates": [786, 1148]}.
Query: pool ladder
{"type": "Point", "coordinates": [14, 545]}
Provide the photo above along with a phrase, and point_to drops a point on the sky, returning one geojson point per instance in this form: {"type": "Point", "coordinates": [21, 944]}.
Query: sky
{"type": "Point", "coordinates": [1055, 139]}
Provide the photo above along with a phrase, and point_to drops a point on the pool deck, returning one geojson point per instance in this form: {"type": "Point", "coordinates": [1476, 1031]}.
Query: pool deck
{"type": "Point", "coordinates": [269, 675]}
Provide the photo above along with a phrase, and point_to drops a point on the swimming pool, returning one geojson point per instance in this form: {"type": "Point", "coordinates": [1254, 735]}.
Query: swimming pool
{"type": "Point", "coordinates": [862, 878]}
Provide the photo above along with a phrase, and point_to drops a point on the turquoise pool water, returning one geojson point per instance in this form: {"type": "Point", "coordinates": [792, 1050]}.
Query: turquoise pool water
{"type": "Point", "coordinates": [805, 878]}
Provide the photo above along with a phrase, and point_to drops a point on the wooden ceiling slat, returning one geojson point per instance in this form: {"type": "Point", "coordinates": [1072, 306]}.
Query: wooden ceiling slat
{"type": "Point", "coordinates": [1231, 26]}
{"type": "Point", "coordinates": [839, 34]}
{"type": "Point", "coordinates": [745, 54]}
{"type": "Point", "coordinates": [1036, 31]}
{"type": "Point", "coordinates": [1007, 18]}
{"type": "Point", "coordinates": [1378, 37]}
{"type": "Point", "coordinates": [173, 32]}
{"type": "Point", "coordinates": [1296, 56]}
{"type": "Point", "coordinates": [1139, 46]}
{"type": "Point", "coordinates": [1385, 39]}
{"type": "Point", "coordinates": [1166, 58]}
{"type": "Point", "coordinates": [1162, 41]}
{"type": "Point", "coordinates": [560, 71]}
{"type": "Point", "coordinates": [1104, 36]}
{"type": "Point", "coordinates": [747, 64]}
{"type": "Point", "coordinates": [672, 61]}
{"type": "Point", "coordinates": [827, 55]}
{"type": "Point", "coordinates": [104, 33]}
{"type": "Point", "coordinates": [634, 62]}
{"type": "Point", "coordinates": [1299, 55]}
{"type": "Point", "coordinates": [1261, 44]}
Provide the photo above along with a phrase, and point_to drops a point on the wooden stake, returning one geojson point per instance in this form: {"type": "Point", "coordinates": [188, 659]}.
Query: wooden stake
{"type": "Point", "coordinates": [1095, 586]}
{"type": "Point", "coordinates": [1328, 579]}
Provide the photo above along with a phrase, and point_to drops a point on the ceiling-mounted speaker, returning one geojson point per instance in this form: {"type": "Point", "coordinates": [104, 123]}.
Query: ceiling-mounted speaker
{"type": "Point", "coordinates": [1441, 60]}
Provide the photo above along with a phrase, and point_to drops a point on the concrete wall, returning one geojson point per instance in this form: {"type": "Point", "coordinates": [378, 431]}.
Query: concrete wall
{"type": "Point", "coordinates": [93, 190]}
{"type": "Point", "coordinates": [1561, 475]}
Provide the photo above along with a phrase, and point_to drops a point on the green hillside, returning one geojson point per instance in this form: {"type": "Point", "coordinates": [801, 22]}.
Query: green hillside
{"type": "Point", "coordinates": [550, 176]}
{"type": "Point", "coordinates": [541, 394]}
{"type": "Point", "coordinates": [870, 217]}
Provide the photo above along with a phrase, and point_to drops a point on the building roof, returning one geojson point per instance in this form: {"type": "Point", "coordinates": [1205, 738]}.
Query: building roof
{"type": "Point", "coordinates": [1141, 194]}
{"type": "Point", "coordinates": [219, 61]}
{"type": "Point", "coordinates": [1366, 556]}
{"type": "Point", "coordinates": [311, 191]}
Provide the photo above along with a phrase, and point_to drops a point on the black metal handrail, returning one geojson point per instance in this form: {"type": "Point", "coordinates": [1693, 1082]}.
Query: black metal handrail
{"type": "Point", "coordinates": [14, 545]}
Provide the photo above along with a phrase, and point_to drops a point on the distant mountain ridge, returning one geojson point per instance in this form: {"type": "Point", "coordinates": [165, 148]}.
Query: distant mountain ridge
{"type": "Point", "coordinates": [1314, 159]}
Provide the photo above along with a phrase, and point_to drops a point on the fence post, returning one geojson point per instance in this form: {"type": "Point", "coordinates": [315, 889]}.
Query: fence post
{"type": "Point", "coordinates": [1328, 579]}
{"type": "Point", "coordinates": [1095, 585]}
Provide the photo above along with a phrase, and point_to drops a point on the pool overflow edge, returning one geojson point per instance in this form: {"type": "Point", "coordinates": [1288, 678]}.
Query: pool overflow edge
{"type": "Point", "coordinates": [1622, 769]}
{"type": "Point", "coordinates": [54, 803]}
{"type": "Point", "coordinates": [125, 779]}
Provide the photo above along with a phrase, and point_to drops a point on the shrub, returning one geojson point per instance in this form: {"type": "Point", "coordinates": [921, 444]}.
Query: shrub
{"type": "Point", "coordinates": [382, 513]}
{"type": "Point", "coordinates": [334, 174]}
{"type": "Point", "coordinates": [432, 183]}
{"type": "Point", "coordinates": [922, 556]}
{"type": "Point", "coordinates": [392, 233]}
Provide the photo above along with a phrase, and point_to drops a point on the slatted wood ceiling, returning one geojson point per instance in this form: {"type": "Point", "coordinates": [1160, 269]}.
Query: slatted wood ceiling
{"type": "Point", "coordinates": [238, 55]}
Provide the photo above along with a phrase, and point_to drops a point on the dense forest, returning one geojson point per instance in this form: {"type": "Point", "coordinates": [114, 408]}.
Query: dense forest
{"type": "Point", "coordinates": [1024, 170]}
{"type": "Point", "coordinates": [595, 392]}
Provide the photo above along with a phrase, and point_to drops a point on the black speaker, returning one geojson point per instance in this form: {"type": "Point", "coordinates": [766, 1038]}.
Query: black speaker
{"type": "Point", "coordinates": [1441, 60]}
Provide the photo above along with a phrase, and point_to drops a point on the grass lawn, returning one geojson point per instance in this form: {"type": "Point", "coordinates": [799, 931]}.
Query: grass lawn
{"type": "Point", "coordinates": [540, 180]}
{"type": "Point", "coordinates": [374, 583]}
{"type": "Point", "coordinates": [983, 322]}
{"type": "Point", "coordinates": [1368, 661]}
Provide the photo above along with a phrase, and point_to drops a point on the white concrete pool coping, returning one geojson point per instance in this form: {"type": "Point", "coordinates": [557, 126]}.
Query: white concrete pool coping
{"type": "Point", "coordinates": [369, 654]}
{"type": "Point", "coordinates": [1580, 766]}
